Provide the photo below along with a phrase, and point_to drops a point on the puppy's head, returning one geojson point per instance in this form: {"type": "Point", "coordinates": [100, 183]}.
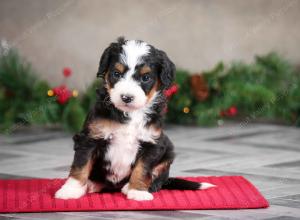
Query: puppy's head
{"type": "Point", "coordinates": [134, 73]}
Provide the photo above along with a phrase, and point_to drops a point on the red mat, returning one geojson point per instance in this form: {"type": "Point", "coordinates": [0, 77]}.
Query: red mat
{"type": "Point", "coordinates": [36, 195]}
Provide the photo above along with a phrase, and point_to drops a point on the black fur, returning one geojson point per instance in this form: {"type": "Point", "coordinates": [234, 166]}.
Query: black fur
{"type": "Point", "coordinates": [157, 60]}
{"type": "Point", "coordinates": [111, 52]}
{"type": "Point", "coordinates": [167, 71]}
{"type": "Point", "coordinates": [151, 154]}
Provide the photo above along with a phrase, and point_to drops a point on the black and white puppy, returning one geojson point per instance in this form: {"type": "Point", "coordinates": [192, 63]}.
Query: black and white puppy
{"type": "Point", "coordinates": [122, 145]}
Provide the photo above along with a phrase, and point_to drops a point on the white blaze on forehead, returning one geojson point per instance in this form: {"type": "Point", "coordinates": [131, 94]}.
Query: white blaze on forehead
{"type": "Point", "coordinates": [132, 52]}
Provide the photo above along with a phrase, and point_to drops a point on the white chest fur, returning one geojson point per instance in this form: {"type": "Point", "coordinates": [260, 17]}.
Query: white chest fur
{"type": "Point", "coordinates": [124, 142]}
{"type": "Point", "coordinates": [122, 151]}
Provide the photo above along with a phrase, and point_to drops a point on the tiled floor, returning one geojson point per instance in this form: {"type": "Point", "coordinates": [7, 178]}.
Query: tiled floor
{"type": "Point", "coordinates": [268, 155]}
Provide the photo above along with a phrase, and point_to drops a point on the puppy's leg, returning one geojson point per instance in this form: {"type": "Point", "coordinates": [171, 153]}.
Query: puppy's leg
{"type": "Point", "coordinates": [76, 184]}
{"type": "Point", "coordinates": [93, 187]}
{"type": "Point", "coordinates": [160, 175]}
{"type": "Point", "coordinates": [161, 168]}
{"type": "Point", "coordinates": [139, 183]}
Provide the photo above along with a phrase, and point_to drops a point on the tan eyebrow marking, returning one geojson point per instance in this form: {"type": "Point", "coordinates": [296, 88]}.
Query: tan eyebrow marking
{"type": "Point", "coordinates": [120, 67]}
{"type": "Point", "coordinates": [145, 69]}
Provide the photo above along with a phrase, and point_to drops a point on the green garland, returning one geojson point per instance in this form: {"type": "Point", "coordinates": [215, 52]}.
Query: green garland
{"type": "Point", "coordinates": [24, 100]}
{"type": "Point", "coordinates": [267, 88]}
{"type": "Point", "coordinates": [20, 91]}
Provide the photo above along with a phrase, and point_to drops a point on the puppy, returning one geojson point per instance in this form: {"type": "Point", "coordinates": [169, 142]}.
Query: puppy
{"type": "Point", "coordinates": [122, 145]}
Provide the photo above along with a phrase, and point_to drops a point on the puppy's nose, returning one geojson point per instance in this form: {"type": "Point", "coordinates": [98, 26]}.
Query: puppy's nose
{"type": "Point", "coordinates": [127, 98]}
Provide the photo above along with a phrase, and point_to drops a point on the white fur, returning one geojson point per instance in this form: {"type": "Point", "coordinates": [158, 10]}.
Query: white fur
{"type": "Point", "coordinates": [124, 143]}
{"type": "Point", "coordinates": [72, 189]}
{"type": "Point", "coordinates": [139, 195]}
{"type": "Point", "coordinates": [206, 186]}
{"type": "Point", "coordinates": [133, 51]}
{"type": "Point", "coordinates": [122, 151]}
{"type": "Point", "coordinates": [124, 146]}
{"type": "Point", "coordinates": [128, 86]}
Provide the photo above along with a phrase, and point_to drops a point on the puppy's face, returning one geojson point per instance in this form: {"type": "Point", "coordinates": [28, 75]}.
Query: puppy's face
{"type": "Point", "coordinates": [134, 73]}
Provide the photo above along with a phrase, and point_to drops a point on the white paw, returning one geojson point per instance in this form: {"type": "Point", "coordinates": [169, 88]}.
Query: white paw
{"type": "Point", "coordinates": [139, 195]}
{"type": "Point", "coordinates": [72, 189]}
{"type": "Point", "coordinates": [93, 187]}
{"type": "Point", "coordinates": [124, 189]}
{"type": "Point", "coordinates": [69, 193]}
{"type": "Point", "coordinates": [206, 186]}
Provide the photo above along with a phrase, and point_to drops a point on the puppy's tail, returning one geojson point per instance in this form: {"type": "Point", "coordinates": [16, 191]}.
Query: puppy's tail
{"type": "Point", "coordinates": [181, 184]}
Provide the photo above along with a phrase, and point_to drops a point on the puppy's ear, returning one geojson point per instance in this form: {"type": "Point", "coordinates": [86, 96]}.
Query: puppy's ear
{"type": "Point", "coordinates": [167, 72]}
{"type": "Point", "coordinates": [104, 61]}
{"type": "Point", "coordinates": [113, 50]}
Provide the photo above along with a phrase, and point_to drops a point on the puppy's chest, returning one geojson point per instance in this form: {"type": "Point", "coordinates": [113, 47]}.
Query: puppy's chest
{"type": "Point", "coordinates": [124, 144]}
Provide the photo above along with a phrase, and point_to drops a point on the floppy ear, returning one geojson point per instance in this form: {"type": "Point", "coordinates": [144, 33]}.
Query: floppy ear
{"type": "Point", "coordinates": [104, 62]}
{"type": "Point", "coordinates": [113, 50]}
{"type": "Point", "coordinates": [167, 72]}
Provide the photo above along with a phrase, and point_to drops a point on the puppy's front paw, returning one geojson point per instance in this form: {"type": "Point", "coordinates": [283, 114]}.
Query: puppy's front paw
{"type": "Point", "coordinates": [72, 189]}
{"type": "Point", "coordinates": [125, 188]}
{"type": "Point", "coordinates": [69, 193]}
{"type": "Point", "coordinates": [139, 195]}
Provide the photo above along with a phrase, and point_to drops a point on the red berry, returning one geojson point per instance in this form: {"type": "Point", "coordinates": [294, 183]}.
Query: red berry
{"type": "Point", "coordinates": [167, 93]}
{"type": "Point", "coordinates": [232, 111]}
{"type": "Point", "coordinates": [175, 88]}
{"type": "Point", "coordinates": [56, 90]}
{"type": "Point", "coordinates": [67, 71]}
{"type": "Point", "coordinates": [62, 93]}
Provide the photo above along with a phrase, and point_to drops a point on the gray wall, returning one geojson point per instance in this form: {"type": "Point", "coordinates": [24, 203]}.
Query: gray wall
{"type": "Point", "coordinates": [196, 34]}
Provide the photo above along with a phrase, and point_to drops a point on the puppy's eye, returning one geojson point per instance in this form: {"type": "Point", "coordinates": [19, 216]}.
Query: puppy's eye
{"type": "Point", "coordinates": [116, 75]}
{"type": "Point", "coordinates": [145, 78]}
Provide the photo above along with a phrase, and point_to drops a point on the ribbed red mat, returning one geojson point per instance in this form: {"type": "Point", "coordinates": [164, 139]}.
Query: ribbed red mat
{"type": "Point", "coordinates": [36, 195]}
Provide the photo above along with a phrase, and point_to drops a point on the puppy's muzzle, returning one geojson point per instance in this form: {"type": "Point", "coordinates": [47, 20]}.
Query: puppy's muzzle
{"type": "Point", "coordinates": [127, 98]}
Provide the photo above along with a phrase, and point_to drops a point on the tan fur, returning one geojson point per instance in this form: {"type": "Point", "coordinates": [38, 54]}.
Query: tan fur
{"type": "Point", "coordinates": [145, 70]}
{"type": "Point", "coordinates": [152, 91]}
{"type": "Point", "coordinates": [120, 67]}
{"type": "Point", "coordinates": [160, 168]}
{"type": "Point", "coordinates": [82, 174]}
{"type": "Point", "coordinates": [155, 131]}
{"type": "Point", "coordinates": [101, 128]}
{"type": "Point", "coordinates": [107, 84]}
{"type": "Point", "coordinates": [139, 180]}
